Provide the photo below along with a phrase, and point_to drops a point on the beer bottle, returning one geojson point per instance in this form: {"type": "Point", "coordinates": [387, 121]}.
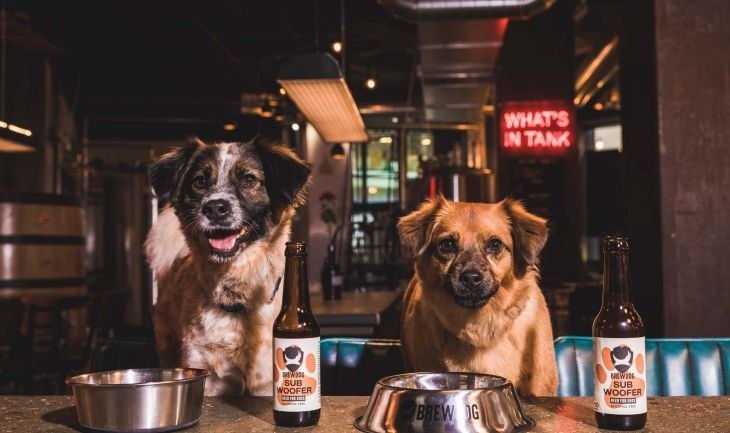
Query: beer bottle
{"type": "Point", "coordinates": [296, 347]}
{"type": "Point", "coordinates": [619, 377]}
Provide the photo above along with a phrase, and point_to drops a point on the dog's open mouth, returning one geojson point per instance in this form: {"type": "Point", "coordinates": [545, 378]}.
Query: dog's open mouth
{"type": "Point", "coordinates": [225, 243]}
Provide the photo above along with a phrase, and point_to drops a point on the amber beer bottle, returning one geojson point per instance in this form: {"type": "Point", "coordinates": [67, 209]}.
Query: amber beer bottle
{"type": "Point", "coordinates": [619, 376]}
{"type": "Point", "coordinates": [296, 347]}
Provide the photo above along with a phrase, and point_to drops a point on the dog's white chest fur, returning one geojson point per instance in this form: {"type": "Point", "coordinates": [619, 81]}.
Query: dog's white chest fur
{"type": "Point", "coordinates": [230, 348]}
{"type": "Point", "coordinates": [192, 331]}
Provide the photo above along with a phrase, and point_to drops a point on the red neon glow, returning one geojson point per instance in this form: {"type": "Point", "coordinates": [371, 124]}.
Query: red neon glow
{"type": "Point", "coordinates": [432, 190]}
{"type": "Point", "coordinates": [537, 126]}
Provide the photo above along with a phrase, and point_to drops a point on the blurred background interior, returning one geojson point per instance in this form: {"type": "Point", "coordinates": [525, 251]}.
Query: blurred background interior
{"type": "Point", "coordinates": [604, 116]}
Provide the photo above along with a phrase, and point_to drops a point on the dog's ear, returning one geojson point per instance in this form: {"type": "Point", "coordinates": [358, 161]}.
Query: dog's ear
{"type": "Point", "coordinates": [415, 228]}
{"type": "Point", "coordinates": [287, 175]}
{"type": "Point", "coordinates": [166, 174]}
{"type": "Point", "coordinates": [529, 234]}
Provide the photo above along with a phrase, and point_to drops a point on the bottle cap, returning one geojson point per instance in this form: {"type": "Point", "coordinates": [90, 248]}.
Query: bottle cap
{"type": "Point", "coordinates": [615, 244]}
{"type": "Point", "coordinates": [295, 249]}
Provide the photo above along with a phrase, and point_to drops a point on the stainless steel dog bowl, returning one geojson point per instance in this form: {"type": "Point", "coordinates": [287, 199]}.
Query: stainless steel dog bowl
{"type": "Point", "coordinates": [444, 402]}
{"type": "Point", "coordinates": [140, 400]}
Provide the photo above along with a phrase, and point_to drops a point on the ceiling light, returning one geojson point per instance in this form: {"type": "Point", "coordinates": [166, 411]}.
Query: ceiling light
{"type": "Point", "coordinates": [266, 110]}
{"type": "Point", "coordinates": [16, 129]}
{"type": "Point", "coordinates": [12, 146]}
{"type": "Point", "coordinates": [282, 91]}
{"type": "Point", "coordinates": [315, 84]}
{"type": "Point", "coordinates": [598, 106]}
{"type": "Point", "coordinates": [386, 140]}
{"type": "Point", "coordinates": [337, 47]}
{"type": "Point", "coordinates": [394, 119]}
{"type": "Point", "coordinates": [229, 126]}
{"type": "Point", "coordinates": [337, 151]}
{"type": "Point", "coordinates": [600, 144]}
{"type": "Point", "coordinates": [370, 83]}
{"type": "Point", "coordinates": [14, 139]}
{"type": "Point", "coordinates": [295, 126]}
{"type": "Point", "coordinates": [425, 141]}
{"type": "Point", "coordinates": [372, 190]}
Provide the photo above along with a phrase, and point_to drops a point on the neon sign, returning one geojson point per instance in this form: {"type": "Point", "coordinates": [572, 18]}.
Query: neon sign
{"type": "Point", "coordinates": [537, 126]}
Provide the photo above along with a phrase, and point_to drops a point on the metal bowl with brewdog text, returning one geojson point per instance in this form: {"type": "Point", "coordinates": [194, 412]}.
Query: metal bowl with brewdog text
{"type": "Point", "coordinates": [149, 400]}
{"type": "Point", "coordinates": [444, 402]}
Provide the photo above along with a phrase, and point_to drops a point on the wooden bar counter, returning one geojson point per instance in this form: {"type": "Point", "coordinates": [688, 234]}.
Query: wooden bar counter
{"type": "Point", "coordinates": [356, 314]}
{"type": "Point", "coordinates": [253, 414]}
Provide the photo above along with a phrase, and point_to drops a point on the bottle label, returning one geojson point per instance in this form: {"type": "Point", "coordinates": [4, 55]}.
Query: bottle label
{"type": "Point", "coordinates": [296, 374]}
{"type": "Point", "coordinates": [619, 377]}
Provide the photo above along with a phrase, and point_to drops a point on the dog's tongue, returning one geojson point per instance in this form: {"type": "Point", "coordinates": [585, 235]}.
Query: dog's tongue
{"type": "Point", "coordinates": [224, 243]}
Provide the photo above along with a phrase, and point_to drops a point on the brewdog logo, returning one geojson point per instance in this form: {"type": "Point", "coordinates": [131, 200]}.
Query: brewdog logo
{"type": "Point", "coordinates": [622, 357]}
{"type": "Point", "coordinates": [620, 375]}
{"type": "Point", "coordinates": [296, 370]}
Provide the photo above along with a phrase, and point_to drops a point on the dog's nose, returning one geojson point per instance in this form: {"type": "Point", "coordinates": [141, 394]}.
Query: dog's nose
{"type": "Point", "coordinates": [216, 210]}
{"type": "Point", "coordinates": [471, 279]}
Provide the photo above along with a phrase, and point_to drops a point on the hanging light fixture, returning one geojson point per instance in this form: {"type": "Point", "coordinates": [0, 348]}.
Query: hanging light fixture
{"type": "Point", "coordinates": [337, 151]}
{"type": "Point", "coordinates": [316, 85]}
{"type": "Point", "coordinates": [13, 138]}
{"type": "Point", "coordinates": [266, 109]}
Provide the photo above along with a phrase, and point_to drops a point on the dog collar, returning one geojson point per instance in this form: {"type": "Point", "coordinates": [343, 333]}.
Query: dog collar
{"type": "Point", "coordinates": [235, 308]}
{"type": "Point", "coordinates": [276, 289]}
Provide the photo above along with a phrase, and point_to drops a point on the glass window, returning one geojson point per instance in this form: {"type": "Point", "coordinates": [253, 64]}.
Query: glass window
{"type": "Point", "coordinates": [358, 173]}
{"type": "Point", "coordinates": [375, 168]}
{"type": "Point", "coordinates": [420, 148]}
{"type": "Point", "coordinates": [607, 138]}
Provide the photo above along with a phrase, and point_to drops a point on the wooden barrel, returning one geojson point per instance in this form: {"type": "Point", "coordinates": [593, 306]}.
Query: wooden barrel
{"type": "Point", "coordinates": [42, 246]}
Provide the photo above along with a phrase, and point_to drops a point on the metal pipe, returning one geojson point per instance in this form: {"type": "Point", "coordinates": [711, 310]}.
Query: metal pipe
{"type": "Point", "coordinates": [418, 10]}
{"type": "Point", "coordinates": [592, 66]}
{"type": "Point", "coordinates": [598, 82]}
{"type": "Point", "coordinates": [402, 168]}
{"type": "Point", "coordinates": [343, 49]}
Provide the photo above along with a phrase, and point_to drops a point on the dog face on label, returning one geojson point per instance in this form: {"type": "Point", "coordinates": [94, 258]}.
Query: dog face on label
{"type": "Point", "coordinates": [471, 250]}
{"type": "Point", "coordinates": [293, 358]}
{"type": "Point", "coordinates": [622, 358]}
{"type": "Point", "coordinates": [228, 195]}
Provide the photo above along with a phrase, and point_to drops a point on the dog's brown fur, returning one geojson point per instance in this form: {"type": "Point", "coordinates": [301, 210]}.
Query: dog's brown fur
{"type": "Point", "coordinates": [511, 335]}
{"type": "Point", "coordinates": [191, 328]}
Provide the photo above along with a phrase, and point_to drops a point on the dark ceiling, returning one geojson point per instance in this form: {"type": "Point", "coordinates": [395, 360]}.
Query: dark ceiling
{"type": "Point", "coordinates": [186, 62]}
{"type": "Point", "coordinates": [165, 69]}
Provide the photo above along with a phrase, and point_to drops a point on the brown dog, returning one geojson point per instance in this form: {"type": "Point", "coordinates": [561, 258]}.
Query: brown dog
{"type": "Point", "coordinates": [474, 303]}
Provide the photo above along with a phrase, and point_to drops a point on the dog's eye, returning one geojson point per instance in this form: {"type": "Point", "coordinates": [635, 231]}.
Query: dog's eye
{"type": "Point", "coordinates": [495, 246]}
{"type": "Point", "coordinates": [199, 181]}
{"type": "Point", "coordinates": [248, 179]}
{"type": "Point", "coordinates": [447, 245]}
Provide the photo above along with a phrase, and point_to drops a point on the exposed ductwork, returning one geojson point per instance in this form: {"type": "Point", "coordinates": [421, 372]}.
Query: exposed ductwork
{"type": "Point", "coordinates": [459, 41]}
{"type": "Point", "coordinates": [457, 67]}
{"type": "Point", "coordinates": [421, 10]}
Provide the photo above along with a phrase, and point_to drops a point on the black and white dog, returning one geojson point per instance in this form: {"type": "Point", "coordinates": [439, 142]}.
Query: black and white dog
{"type": "Point", "coordinates": [218, 252]}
